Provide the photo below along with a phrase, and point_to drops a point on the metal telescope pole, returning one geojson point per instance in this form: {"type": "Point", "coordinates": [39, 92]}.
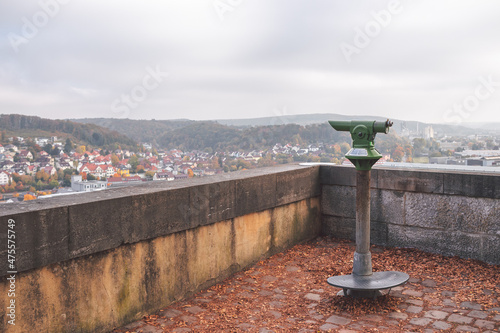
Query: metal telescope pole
{"type": "Point", "coordinates": [362, 263]}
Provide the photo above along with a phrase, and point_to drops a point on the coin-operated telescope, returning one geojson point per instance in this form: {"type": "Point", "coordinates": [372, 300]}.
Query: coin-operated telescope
{"type": "Point", "coordinates": [363, 282]}
{"type": "Point", "coordinates": [363, 153]}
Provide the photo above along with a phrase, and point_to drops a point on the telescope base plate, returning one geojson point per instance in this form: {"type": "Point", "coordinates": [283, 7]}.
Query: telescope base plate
{"type": "Point", "coordinates": [367, 286]}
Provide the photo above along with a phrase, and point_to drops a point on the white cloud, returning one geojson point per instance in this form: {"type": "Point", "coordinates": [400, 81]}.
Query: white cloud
{"type": "Point", "coordinates": [264, 54]}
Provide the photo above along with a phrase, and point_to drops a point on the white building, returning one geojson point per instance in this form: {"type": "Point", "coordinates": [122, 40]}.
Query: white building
{"type": "Point", "coordinates": [4, 178]}
{"type": "Point", "coordinates": [79, 185]}
{"type": "Point", "coordinates": [428, 132]}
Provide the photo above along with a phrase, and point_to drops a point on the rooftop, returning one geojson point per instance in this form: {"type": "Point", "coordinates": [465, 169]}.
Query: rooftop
{"type": "Point", "coordinates": [288, 293]}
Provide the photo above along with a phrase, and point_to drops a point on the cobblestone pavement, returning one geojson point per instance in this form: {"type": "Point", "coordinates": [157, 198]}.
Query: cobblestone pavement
{"type": "Point", "coordinates": [288, 293]}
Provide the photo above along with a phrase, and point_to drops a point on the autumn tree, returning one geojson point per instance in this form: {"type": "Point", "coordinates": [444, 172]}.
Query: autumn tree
{"type": "Point", "coordinates": [115, 160]}
{"type": "Point", "coordinates": [134, 162]}
{"type": "Point", "coordinates": [215, 163]}
{"type": "Point", "coordinates": [398, 154]}
{"type": "Point", "coordinates": [344, 147]}
{"type": "Point", "coordinates": [80, 149]}
{"type": "Point", "coordinates": [16, 177]}
{"type": "Point", "coordinates": [53, 183]}
{"type": "Point", "coordinates": [28, 197]}
{"type": "Point", "coordinates": [42, 175]}
{"type": "Point", "coordinates": [266, 160]}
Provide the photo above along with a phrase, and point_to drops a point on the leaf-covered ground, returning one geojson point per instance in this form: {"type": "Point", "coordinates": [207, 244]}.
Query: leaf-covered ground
{"type": "Point", "coordinates": [289, 293]}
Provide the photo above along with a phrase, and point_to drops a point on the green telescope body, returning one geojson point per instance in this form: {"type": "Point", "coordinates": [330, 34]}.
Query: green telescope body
{"type": "Point", "coordinates": [363, 153]}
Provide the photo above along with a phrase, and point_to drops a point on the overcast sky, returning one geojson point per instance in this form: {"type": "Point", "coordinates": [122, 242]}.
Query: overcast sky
{"type": "Point", "coordinates": [433, 61]}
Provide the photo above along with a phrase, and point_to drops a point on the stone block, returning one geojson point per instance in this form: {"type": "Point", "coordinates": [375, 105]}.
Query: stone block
{"type": "Point", "coordinates": [295, 222]}
{"type": "Point", "coordinates": [339, 227]}
{"type": "Point", "coordinates": [339, 201]}
{"type": "Point", "coordinates": [41, 238]}
{"type": "Point", "coordinates": [159, 213]}
{"type": "Point", "coordinates": [459, 319]}
{"type": "Point", "coordinates": [436, 314]}
{"type": "Point", "coordinates": [209, 253]}
{"type": "Point", "coordinates": [387, 206]}
{"type": "Point", "coordinates": [222, 200]}
{"type": "Point", "coordinates": [472, 185]}
{"type": "Point", "coordinates": [420, 321]}
{"type": "Point", "coordinates": [338, 175]}
{"type": "Point", "coordinates": [338, 320]}
{"type": "Point", "coordinates": [441, 325]}
{"type": "Point", "coordinates": [252, 237]}
{"type": "Point", "coordinates": [296, 185]}
{"type": "Point", "coordinates": [471, 215]}
{"type": "Point", "coordinates": [378, 233]}
{"type": "Point", "coordinates": [410, 181]}
{"type": "Point", "coordinates": [255, 194]}
{"type": "Point", "coordinates": [435, 241]}
{"type": "Point", "coordinates": [212, 202]}
{"type": "Point", "coordinates": [490, 248]}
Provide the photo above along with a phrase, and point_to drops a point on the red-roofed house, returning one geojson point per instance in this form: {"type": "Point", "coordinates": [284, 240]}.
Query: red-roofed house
{"type": "Point", "coordinates": [30, 170]}
{"type": "Point", "coordinates": [50, 170]}
{"type": "Point", "coordinates": [94, 170]}
{"type": "Point", "coordinates": [134, 179]}
{"type": "Point", "coordinates": [109, 170]}
{"type": "Point", "coordinates": [26, 154]}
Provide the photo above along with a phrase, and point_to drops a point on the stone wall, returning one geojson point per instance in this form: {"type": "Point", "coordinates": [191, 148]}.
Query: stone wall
{"type": "Point", "coordinates": [91, 262]}
{"type": "Point", "coordinates": [450, 213]}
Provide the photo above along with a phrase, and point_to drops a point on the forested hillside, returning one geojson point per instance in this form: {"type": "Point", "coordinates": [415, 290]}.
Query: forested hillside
{"type": "Point", "coordinates": [212, 136]}
{"type": "Point", "coordinates": [208, 135]}
{"type": "Point", "coordinates": [138, 130]}
{"type": "Point", "coordinates": [31, 126]}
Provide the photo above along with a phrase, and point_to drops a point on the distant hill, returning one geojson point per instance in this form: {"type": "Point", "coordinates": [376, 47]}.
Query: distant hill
{"type": "Point", "coordinates": [299, 119]}
{"type": "Point", "coordinates": [139, 130]}
{"type": "Point", "coordinates": [31, 126]}
{"type": "Point", "coordinates": [234, 134]}
{"type": "Point", "coordinates": [317, 118]}
{"type": "Point", "coordinates": [483, 126]}
{"type": "Point", "coordinates": [202, 135]}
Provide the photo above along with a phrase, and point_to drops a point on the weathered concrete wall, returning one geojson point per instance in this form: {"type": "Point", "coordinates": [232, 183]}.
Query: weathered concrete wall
{"type": "Point", "coordinates": [450, 213]}
{"type": "Point", "coordinates": [89, 264]}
